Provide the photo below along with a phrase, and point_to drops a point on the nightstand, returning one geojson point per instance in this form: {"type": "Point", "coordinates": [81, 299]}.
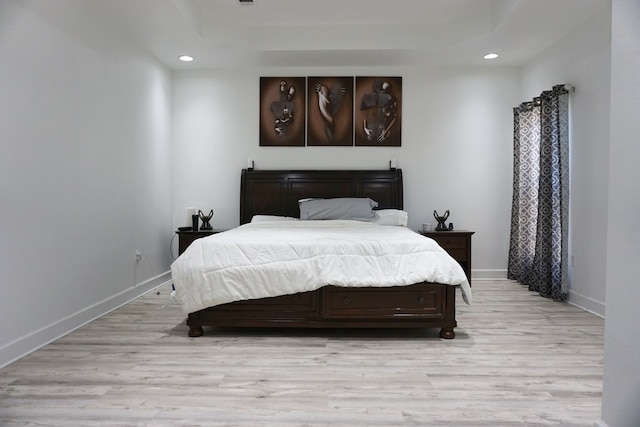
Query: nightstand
{"type": "Point", "coordinates": [457, 243]}
{"type": "Point", "coordinates": [185, 238]}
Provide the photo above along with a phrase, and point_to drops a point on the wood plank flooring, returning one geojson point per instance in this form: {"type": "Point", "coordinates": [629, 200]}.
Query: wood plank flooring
{"type": "Point", "coordinates": [517, 359]}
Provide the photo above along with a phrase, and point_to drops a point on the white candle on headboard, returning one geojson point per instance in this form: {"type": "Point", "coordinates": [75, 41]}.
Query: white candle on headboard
{"type": "Point", "coordinates": [249, 163]}
{"type": "Point", "coordinates": [394, 163]}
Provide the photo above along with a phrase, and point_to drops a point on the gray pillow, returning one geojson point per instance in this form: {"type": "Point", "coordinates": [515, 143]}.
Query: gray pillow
{"type": "Point", "coordinates": [338, 208]}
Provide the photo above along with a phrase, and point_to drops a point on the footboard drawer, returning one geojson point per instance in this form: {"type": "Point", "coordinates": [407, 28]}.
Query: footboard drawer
{"type": "Point", "coordinates": [303, 305]}
{"type": "Point", "coordinates": [415, 301]}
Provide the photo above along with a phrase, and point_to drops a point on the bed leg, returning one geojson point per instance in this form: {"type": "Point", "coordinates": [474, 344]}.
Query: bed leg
{"type": "Point", "coordinates": [195, 331]}
{"type": "Point", "coordinates": [447, 333]}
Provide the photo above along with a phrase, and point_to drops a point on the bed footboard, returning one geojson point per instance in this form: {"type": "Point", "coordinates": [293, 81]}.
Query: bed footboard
{"type": "Point", "coordinates": [423, 305]}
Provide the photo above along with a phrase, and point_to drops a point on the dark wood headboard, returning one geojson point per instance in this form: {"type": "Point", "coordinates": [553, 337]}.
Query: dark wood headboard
{"type": "Point", "coordinates": [276, 192]}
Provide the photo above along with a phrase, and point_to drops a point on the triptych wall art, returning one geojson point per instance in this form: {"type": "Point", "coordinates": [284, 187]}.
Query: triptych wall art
{"type": "Point", "coordinates": [330, 111]}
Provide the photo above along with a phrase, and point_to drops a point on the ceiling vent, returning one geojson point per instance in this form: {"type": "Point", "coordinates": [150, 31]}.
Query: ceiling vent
{"type": "Point", "coordinates": [246, 1]}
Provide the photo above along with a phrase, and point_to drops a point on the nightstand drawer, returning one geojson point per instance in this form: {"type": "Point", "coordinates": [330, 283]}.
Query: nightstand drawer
{"type": "Point", "coordinates": [450, 242]}
{"type": "Point", "coordinates": [185, 238]}
{"type": "Point", "coordinates": [459, 254]}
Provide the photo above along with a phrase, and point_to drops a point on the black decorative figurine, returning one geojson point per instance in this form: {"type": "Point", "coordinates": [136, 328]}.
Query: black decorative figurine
{"type": "Point", "coordinates": [205, 220]}
{"type": "Point", "coordinates": [441, 220]}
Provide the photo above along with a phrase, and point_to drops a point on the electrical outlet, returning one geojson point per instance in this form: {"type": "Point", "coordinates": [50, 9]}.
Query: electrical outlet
{"type": "Point", "coordinates": [138, 255]}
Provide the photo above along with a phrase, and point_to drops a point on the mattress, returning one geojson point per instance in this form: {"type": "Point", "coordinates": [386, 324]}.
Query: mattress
{"type": "Point", "coordinates": [266, 259]}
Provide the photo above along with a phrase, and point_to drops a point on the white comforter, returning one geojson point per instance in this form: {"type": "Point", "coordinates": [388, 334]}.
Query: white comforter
{"type": "Point", "coordinates": [266, 259]}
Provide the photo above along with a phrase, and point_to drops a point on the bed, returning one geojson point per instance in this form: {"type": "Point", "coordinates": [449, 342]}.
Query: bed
{"type": "Point", "coordinates": [306, 298]}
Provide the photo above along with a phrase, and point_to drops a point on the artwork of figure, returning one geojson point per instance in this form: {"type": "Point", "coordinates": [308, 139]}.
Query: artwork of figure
{"type": "Point", "coordinates": [282, 101]}
{"type": "Point", "coordinates": [329, 102]}
{"type": "Point", "coordinates": [330, 110]}
{"type": "Point", "coordinates": [284, 109]}
{"type": "Point", "coordinates": [379, 113]}
{"type": "Point", "coordinates": [380, 107]}
{"type": "Point", "coordinates": [205, 218]}
{"type": "Point", "coordinates": [441, 220]}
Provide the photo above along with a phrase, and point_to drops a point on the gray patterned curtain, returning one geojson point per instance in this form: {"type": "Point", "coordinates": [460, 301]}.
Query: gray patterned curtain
{"type": "Point", "coordinates": [538, 247]}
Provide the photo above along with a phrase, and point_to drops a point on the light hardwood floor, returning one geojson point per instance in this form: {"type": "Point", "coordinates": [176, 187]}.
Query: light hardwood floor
{"type": "Point", "coordinates": [517, 359]}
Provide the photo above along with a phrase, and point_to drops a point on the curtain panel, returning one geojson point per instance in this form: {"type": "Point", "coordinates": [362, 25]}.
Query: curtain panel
{"type": "Point", "coordinates": [538, 247]}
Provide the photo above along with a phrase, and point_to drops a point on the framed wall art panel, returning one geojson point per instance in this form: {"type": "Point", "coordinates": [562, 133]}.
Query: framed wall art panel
{"type": "Point", "coordinates": [282, 111]}
{"type": "Point", "coordinates": [378, 111]}
{"type": "Point", "coordinates": [330, 111]}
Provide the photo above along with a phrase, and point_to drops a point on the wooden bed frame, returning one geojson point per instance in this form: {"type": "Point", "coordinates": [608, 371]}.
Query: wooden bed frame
{"type": "Point", "coordinates": [276, 192]}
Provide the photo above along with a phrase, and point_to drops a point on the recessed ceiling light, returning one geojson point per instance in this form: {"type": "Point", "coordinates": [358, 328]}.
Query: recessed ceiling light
{"type": "Point", "coordinates": [491, 56]}
{"type": "Point", "coordinates": [185, 58]}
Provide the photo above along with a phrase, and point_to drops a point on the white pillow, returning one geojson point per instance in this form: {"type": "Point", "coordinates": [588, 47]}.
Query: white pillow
{"type": "Point", "coordinates": [271, 218]}
{"type": "Point", "coordinates": [391, 217]}
{"type": "Point", "coordinates": [337, 208]}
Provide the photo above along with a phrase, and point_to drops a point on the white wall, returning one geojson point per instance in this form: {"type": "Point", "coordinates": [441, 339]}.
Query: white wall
{"type": "Point", "coordinates": [84, 171]}
{"type": "Point", "coordinates": [622, 344]}
{"type": "Point", "coordinates": [582, 58]}
{"type": "Point", "coordinates": [456, 148]}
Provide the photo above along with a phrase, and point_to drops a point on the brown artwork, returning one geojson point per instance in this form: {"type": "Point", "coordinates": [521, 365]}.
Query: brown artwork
{"type": "Point", "coordinates": [282, 114]}
{"type": "Point", "coordinates": [378, 112]}
{"type": "Point", "coordinates": [330, 111]}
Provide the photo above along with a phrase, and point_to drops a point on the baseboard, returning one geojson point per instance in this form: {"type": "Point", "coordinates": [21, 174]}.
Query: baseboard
{"type": "Point", "coordinates": [21, 347]}
{"type": "Point", "coordinates": [587, 304]}
{"type": "Point", "coordinates": [488, 274]}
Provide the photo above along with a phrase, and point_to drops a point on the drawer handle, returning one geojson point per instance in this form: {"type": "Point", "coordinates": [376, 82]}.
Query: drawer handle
{"type": "Point", "coordinates": [421, 300]}
{"type": "Point", "coordinates": [346, 301]}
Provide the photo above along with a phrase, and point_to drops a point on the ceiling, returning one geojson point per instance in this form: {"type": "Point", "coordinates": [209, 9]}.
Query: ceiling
{"type": "Point", "coordinates": [272, 33]}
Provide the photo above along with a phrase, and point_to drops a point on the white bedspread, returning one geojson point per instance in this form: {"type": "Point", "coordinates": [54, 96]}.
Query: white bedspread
{"type": "Point", "coordinates": [266, 259]}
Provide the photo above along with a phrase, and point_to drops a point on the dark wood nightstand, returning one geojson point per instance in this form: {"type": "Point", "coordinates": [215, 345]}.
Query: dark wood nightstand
{"type": "Point", "coordinates": [185, 238]}
{"type": "Point", "coordinates": [457, 243]}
